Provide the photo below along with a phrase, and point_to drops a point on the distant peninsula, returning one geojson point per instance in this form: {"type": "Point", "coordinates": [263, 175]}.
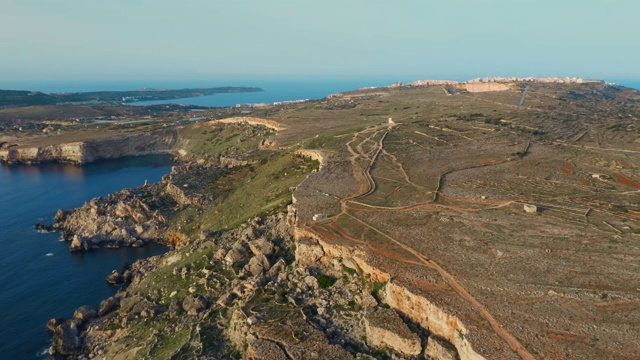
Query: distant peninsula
{"type": "Point", "coordinates": [20, 98]}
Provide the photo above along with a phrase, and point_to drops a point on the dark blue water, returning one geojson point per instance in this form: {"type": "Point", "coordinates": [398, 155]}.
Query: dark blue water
{"type": "Point", "coordinates": [39, 277]}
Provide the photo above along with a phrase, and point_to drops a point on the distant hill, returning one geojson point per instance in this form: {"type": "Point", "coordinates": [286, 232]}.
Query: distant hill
{"type": "Point", "coordinates": [18, 98]}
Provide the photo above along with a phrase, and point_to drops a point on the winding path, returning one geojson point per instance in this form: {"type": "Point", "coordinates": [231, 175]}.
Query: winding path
{"type": "Point", "coordinates": [367, 186]}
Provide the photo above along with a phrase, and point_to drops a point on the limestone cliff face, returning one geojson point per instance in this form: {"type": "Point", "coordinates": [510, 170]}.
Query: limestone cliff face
{"type": "Point", "coordinates": [70, 152]}
{"type": "Point", "coordinates": [88, 151]}
{"type": "Point", "coordinates": [311, 249]}
{"type": "Point", "coordinates": [252, 121]}
{"type": "Point", "coordinates": [484, 86]}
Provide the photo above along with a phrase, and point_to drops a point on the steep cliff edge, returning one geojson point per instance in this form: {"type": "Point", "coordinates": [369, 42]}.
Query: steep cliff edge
{"type": "Point", "coordinates": [82, 152]}
{"type": "Point", "coordinates": [312, 249]}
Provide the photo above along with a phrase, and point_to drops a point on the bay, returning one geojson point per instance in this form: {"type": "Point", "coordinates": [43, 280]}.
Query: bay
{"type": "Point", "coordinates": [40, 278]}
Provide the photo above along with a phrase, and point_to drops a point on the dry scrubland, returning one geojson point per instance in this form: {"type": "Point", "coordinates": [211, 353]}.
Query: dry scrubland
{"type": "Point", "coordinates": [446, 186]}
{"type": "Point", "coordinates": [423, 214]}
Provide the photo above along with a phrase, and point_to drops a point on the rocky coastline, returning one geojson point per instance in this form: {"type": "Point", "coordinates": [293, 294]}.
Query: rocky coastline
{"type": "Point", "coordinates": [267, 289]}
{"type": "Point", "coordinates": [131, 217]}
{"type": "Point", "coordinates": [262, 285]}
{"type": "Point", "coordinates": [84, 152]}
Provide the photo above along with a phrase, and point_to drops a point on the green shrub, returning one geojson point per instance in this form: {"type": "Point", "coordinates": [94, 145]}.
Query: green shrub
{"type": "Point", "coordinates": [324, 281]}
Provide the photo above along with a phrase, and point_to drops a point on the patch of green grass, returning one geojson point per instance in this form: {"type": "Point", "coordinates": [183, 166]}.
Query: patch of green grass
{"type": "Point", "coordinates": [168, 346]}
{"type": "Point", "coordinates": [325, 281]}
{"type": "Point", "coordinates": [348, 270]}
{"type": "Point", "coordinates": [376, 287]}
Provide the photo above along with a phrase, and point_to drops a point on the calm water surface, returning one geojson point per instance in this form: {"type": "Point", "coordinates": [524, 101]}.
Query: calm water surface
{"type": "Point", "coordinates": [40, 278]}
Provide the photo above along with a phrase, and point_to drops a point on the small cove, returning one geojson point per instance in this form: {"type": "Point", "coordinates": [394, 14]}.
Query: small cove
{"type": "Point", "coordinates": [40, 278]}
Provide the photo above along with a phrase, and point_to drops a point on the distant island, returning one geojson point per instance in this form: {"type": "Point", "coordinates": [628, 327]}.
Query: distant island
{"type": "Point", "coordinates": [20, 98]}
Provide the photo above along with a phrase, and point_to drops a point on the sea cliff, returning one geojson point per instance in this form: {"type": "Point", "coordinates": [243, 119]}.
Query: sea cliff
{"type": "Point", "coordinates": [82, 152]}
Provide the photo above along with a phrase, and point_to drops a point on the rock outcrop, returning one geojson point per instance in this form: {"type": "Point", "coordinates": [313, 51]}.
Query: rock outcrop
{"type": "Point", "coordinates": [484, 86]}
{"type": "Point", "coordinates": [310, 249]}
{"type": "Point", "coordinates": [385, 329]}
{"type": "Point", "coordinates": [82, 152]}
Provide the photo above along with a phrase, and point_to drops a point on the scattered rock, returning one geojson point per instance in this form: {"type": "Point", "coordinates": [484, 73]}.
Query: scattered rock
{"type": "Point", "coordinates": [252, 320]}
{"type": "Point", "coordinates": [53, 323]}
{"type": "Point", "coordinates": [194, 304]}
{"type": "Point", "coordinates": [85, 314]}
{"type": "Point", "coordinates": [257, 265]}
{"type": "Point", "coordinates": [261, 246]}
{"type": "Point", "coordinates": [226, 299]}
{"type": "Point", "coordinates": [174, 310]}
{"type": "Point", "coordinates": [107, 306]}
{"type": "Point", "coordinates": [238, 255]}
{"type": "Point", "coordinates": [115, 278]}
{"type": "Point", "coordinates": [65, 338]}
{"type": "Point", "coordinates": [134, 305]}
{"type": "Point", "coordinates": [261, 349]}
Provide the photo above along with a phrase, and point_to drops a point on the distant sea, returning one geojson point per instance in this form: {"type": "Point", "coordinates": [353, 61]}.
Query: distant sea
{"type": "Point", "coordinates": [274, 90]}
{"type": "Point", "coordinates": [634, 84]}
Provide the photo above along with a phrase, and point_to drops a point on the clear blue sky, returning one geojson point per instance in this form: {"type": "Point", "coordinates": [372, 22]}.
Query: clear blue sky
{"type": "Point", "coordinates": [243, 39]}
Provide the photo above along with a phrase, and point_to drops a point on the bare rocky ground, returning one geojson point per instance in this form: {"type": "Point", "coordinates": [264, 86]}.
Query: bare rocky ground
{"type": "Point", "coordinates": [411, 240]}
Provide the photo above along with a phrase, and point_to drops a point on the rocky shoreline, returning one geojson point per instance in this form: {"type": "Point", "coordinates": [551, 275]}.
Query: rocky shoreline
{"type": "Point", "coordinates": [261, 285]}
{"type": "Point", "coordinates": [248, 275]}
{"type": "Point", "coordinates": [131, 217]}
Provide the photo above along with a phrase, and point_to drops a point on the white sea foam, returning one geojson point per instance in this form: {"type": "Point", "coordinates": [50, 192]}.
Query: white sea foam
{"type": "Point", "coordinates": [48, 254]}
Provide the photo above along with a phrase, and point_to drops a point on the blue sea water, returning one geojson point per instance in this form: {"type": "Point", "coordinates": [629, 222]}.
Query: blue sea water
{"type": "Point", "coordinates": [39, 277]}
{"type": "Point", "coordinates": [274, 90]}
{"type": "Point", "coordinates": [630, 83]}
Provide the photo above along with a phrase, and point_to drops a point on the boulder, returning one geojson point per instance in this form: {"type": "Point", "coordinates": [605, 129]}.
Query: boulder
{"type": "Point", "coordinates": [134, 305]}
{"type": "Point", "coordinates": [43, 227]}
{"type": "Point", "coordinates": [252, 320]}
{"type": "Point", "coordinates": [85, 313]}
{"type": "Point", "coordinates": [205, 234]}
{"type": "Point", "coordinates": [53, 323]}
{"type": "Point", "coordinates": [65, 338]}
{"type": "Point", "coordinates": [226, 299]}
{"type": "Point", "coordinates": [107, 306]}
{"type": "Point", "coordinates": [115, 278]}
{"type": "Point", "coordinates": [277, 268]}
{"type": "Point", "coordinates": [174, 309]}
{"type": "Point", "coordinates": [257, 265]}
{"type": "Point", "coordinates": [78, 243]}
{"type": "Point", "coordinates": [261, 246]}
{"type": "Point", "coordinates": [238, 255]}
{"type": "Point", "coordinates": [194, 304]}
{"type": "Point", "coordinates": [250, 233]}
